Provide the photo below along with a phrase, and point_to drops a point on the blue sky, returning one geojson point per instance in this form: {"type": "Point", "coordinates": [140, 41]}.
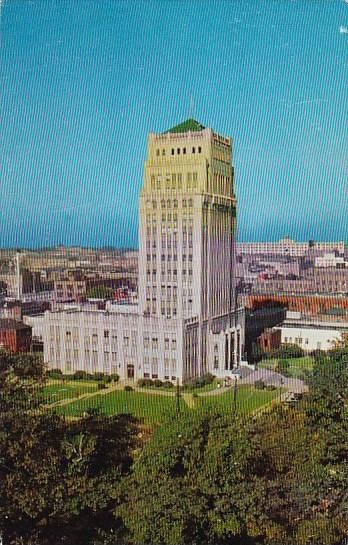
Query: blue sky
{"type": "Point", "coordinates": [83, 82]}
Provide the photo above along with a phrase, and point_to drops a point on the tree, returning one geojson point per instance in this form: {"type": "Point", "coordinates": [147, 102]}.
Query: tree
{"type": "Point", "coordinates": [100, 292]}
{"type": "Point", "coordinates": [287, 351]}
{"type": "Point", "coordinates": [60, 481]}
{"type": "Point", "coordinates": [198, 482]}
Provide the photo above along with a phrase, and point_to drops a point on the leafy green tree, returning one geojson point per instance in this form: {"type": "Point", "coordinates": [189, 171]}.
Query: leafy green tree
{"type": "Point", "coordinates": [60, 481]}
{"type": "Point", "coordinates": [100, 292]}
{"type": "Point", "coordinates": [198, 482]}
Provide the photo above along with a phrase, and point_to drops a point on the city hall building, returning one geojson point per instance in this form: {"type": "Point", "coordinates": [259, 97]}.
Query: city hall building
{"type": "Point", "coordinates": [186, 322]}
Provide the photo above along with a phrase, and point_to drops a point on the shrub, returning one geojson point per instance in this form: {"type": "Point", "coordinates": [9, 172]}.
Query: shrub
{"type": "Point", "coordinates": [283, 367]}
{"type": "Point", "coordinates": [115, 377]}
{"type": "Point", "coordinates": [101, 386]}
{"type": "Point", "coordinates": [260, 385]}
{"type": "Point", "coordinates": [98, 376]}
{"type": "Point", "coordinates": [55, 372]}
{"type": "Point", "coordinates": [288, 351]}
{"type": "Point", "coordinates": [158, 383]}
{"type": "Point", "coordinates": [92, 411]}
{"type": "Point", "coordinates": [167, 384]}
{"type": "Point", "coordinates": [79, 375]}
{"type": "Point", "coordinates": [145, 382]}
{"type": "Point", "coordinates": [198, 382]}
{"type": "Point", "coordinates": [318, 355]}
{"type": "Point", "coordinates": [128, 388]}
{"type": "Point", "coordinates": [271, 387]}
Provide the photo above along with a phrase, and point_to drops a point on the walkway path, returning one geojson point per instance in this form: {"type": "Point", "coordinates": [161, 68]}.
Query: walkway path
{"type": "Point", "coordinates": [67, 401]}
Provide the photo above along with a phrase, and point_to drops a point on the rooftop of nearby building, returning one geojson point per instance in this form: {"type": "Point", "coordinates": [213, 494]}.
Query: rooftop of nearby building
{"type": "Point", "coordinates": [190, 125]}
{"type": "Point", "coordinates": [312, 323]}
{"type": "Point", "coordinates": [9, 324]}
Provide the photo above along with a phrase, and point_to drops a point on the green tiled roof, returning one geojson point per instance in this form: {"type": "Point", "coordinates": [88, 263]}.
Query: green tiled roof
{"type": "Point", "coordinates": [186, 126]}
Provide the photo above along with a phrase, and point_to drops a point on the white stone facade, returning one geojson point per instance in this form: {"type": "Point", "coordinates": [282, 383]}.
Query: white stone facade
{"type": "Point", "coordinates": [312, 335]}
{"type": "Point", "coordinates": [186, 323]}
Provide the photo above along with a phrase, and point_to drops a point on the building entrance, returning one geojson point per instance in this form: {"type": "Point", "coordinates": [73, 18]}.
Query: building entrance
{"type": "Point", "coordinates": [130, 371]}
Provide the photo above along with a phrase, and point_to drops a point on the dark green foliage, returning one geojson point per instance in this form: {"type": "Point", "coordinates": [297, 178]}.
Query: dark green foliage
{"type": "Point", "coordinates": [157, 383]}
{"type": "Point", "coordinates": [287, 351]}
{"type": "Point", "coordinates": [167, 384]}
{"type": "Point", "coordinates": [128, 388]}
{"type": "Point", "coordinates": [199, 382]}
{"type": "Point", "coordinates": [145, 382]}
{"type": "Point", "coordinates": [98, 376]}
{"type": "Point", "coordinates": [260, 385]}
{"type": "Point", "coordinates": [60, 482]}
{"type": "Point", "coordinates": [283, 367]}
{"type": "Point", "coordinates": [80, 375]}
{"type": "Point", "coordinates": [100, 292]}
{"type": "Point", "coordinates": [276, 478]}
{"type": "Point", "coordinates": [55, 373]}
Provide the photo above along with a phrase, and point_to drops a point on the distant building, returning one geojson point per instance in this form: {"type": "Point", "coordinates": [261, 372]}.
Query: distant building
{"type": "Point", "coordinates": [11, 310]}
{"type": "Point", "coordinates": [76, 288]}
{"type": "Point", "coordinates": [310, 305]}
{"type": "Point", "coordinates": [331, 260]}
{"type": "Point", "coordinates": [289, 247]}
{"type": "Point", "coordinates": [269, 340]}
{"type": "Point", "coordinates": [186, 322]}
{"type": "Point", "coordinates": [312, 334]}
{"type": "Point", "coordinates": [14, 336]}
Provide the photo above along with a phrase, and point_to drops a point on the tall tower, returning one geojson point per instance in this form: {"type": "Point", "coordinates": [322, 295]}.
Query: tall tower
{"type": "Point", "coordinates": [187, 229]}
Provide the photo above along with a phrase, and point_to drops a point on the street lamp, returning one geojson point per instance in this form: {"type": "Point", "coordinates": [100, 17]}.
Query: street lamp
{"type": "Point", "coordinates": [177, 395]}
{"type": "Point", "coordinates": [235, 394]}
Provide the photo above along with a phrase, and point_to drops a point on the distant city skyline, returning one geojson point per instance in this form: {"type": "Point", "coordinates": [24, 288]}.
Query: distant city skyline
{"type": "Point", "coordinates": [82, 84]}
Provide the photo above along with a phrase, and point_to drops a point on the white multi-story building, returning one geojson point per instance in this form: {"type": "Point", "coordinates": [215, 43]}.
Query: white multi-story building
{"type": "Point", "coordinates": [186, 322]}
{"type": "Point", "coordinates": [330, 260]}
{"type": "Point", "coordinates": [288, 247]}
{"type": "Point", "coordinates": [312, 334]}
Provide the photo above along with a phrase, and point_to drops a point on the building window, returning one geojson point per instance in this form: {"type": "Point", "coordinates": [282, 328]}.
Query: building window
{"type": "Point", "coordinates": [106, 334]}
{"type": "Point", "coordinates": [173, 151]}
{"type": "Point", "coordinates": [193, 150]}
{"type": "Point", "coordinates": [157, 152]}
{"type": "Point", "coordinates": [199, 149]}
{"type": "Point", "coordinates": [178, 151]}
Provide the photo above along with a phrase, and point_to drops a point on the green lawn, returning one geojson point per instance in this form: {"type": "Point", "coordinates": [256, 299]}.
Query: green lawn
{"type": "Point", "coordinates": [248, 399]}
{"type": "Point", "coordinates": [153, 408]}
{"type": "Point", "coordinates": [59, 390]}
{"type": "Point", "coordinates": [150, 408]}
{"type": "Point", "coordinates": [299, 367]}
